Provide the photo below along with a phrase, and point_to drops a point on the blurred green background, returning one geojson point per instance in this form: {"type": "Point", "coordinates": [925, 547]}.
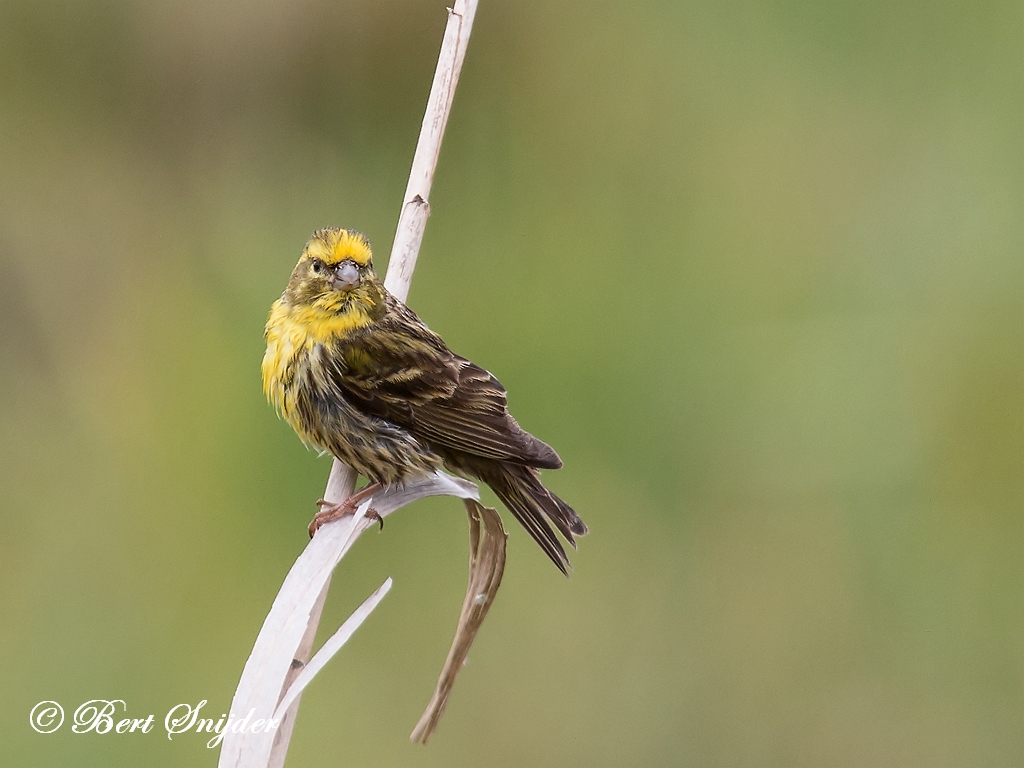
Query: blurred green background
{"type": "Point", "coordinates": [754, 268]}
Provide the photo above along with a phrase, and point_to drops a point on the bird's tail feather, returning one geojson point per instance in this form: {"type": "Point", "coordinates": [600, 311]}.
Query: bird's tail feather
{"type": "Point", "coordinates": [533, 505]}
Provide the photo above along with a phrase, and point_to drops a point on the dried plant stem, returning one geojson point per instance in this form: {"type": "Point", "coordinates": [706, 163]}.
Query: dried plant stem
{"type": "Point", "coordinates": [261, 678]}
{"type": "Point", "coordinates": [269, 677]}
{"type": "Point", "coordinates": [487, 540]}
{"type": "Point", "coordinates": [415, 210]}
{"type": "Point", "coordinates": [416, 204]}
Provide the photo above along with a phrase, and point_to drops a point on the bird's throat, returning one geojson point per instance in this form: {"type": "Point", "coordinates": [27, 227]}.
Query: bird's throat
{"type": "Point", "coordinates": [313, 324]}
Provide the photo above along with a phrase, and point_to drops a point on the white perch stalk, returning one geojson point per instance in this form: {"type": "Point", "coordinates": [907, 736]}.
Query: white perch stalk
{"type": "Point", "coordinates": [416, 205]}
{"type": "Point", "coordinates": [266, 678]}
{"type": "Point", "coordinates": [331, 647]}
{"type": "Point", "coordinates": [289, 630]}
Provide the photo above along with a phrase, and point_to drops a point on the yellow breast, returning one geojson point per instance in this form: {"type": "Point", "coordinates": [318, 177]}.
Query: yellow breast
{"type": "Point", "coordinates": [292, 333]}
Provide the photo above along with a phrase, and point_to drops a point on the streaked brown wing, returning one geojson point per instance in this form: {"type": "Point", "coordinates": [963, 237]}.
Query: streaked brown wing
{"type": "Point", "coordinates": [404, 373]}
{"type": "Point", "coordinates": [475, 419]}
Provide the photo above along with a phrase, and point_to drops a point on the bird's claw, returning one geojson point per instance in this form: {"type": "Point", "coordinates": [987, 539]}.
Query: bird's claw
{"type": "Point", "coordinates": [329, 512]}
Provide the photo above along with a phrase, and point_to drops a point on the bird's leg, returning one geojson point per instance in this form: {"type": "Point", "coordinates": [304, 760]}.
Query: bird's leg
{"type": "Point", "coordinates": [330, 512]}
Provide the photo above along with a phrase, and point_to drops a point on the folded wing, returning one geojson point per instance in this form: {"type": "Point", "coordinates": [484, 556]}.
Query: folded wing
{"type": "Point", "coordinates": [404, 373]}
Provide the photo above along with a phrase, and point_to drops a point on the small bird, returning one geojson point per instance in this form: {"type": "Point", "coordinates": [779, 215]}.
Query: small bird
{"type": "Point", "coordinates": [356, 373]}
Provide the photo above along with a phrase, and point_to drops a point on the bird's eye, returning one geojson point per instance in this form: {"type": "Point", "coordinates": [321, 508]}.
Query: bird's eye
{"type": "Point", "coordinates": [318, 266]}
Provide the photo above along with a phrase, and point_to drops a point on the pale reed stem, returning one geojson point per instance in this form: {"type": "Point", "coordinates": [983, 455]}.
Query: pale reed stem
{"type": "Point", "coordinates": [408, 237]}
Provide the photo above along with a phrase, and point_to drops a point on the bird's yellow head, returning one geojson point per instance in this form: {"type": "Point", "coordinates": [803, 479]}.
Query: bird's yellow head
{"type": "Point", "coordinates": [334, 278]}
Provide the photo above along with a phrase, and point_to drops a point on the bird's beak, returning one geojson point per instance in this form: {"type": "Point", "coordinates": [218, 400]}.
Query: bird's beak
{"type": "Point", "coordinates": [346, 275]}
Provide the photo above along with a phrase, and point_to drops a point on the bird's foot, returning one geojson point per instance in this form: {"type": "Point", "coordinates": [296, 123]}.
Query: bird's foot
{"type": "Point", "coordinates": [330, 512]}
